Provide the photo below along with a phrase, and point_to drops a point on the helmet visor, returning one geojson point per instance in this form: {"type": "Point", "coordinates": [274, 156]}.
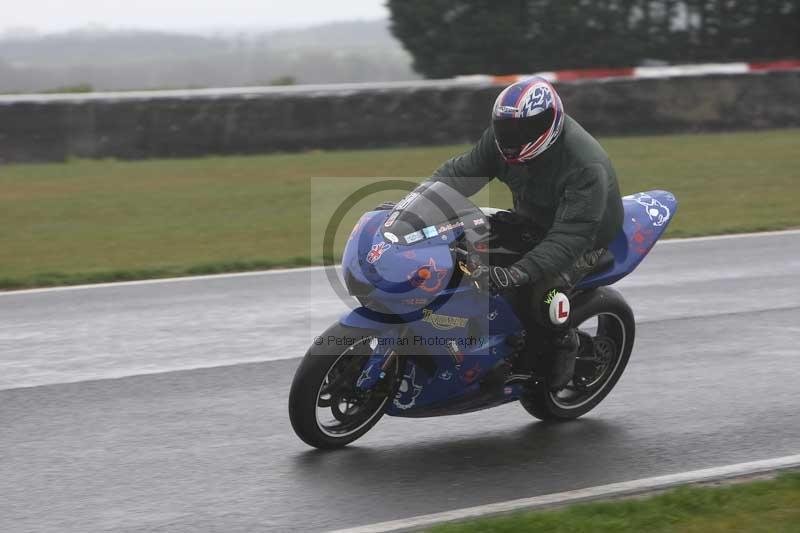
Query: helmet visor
{"type": "Point", "coordinates": [514, 133]}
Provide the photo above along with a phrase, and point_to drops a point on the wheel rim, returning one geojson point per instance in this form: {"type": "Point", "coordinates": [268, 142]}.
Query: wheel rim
{"type": "Point", "coordinates": [341, 410]}
{"type": "Point", "coordinates": [593, 371]}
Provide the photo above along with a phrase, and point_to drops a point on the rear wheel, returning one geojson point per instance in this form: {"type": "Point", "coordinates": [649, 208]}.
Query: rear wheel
{"type": "Point", "coordinates": [326, 408]}
{"type": "Point", "coordinates": [606, 329]}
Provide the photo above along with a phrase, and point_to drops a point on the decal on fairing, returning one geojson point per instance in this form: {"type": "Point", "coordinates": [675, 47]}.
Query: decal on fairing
{"type": "Point", "coordinates": [448, 227]}
{"type": "Point", "coordinates": [405, 202]}
{"type": "Point", "coordinates": [659, 213]}
{"type": "Point", "coordinates": [376, 252]}
{"type": "Point", "coordinates": [409, 390]}
{"type": "Point", "coordinates": [411, 238]}
{"type": "Point", "coordinates": [365, 376]}
{"type": "Point", "coordinates": [642, 238]}
{"type": "Point", "coordinates": [443, 322]}
{"type": "Point", "coordinates": [471, 374]}
{"type": "Point", "coordinates": [391, 219]}
{"type": "Point", "coordinates": [433, 279]}
{"type": "Point", "coordinates": [429, 232]}
{"type": "Point", "coordinates": [414, 301]}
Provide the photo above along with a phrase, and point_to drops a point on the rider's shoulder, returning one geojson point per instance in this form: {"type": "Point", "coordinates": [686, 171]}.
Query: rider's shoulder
{"type": "Point", "coordinates": [581, 147]}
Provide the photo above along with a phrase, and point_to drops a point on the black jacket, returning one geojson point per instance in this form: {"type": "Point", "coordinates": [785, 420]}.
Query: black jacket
{"type": "Point", "coordinates": [570, 191]}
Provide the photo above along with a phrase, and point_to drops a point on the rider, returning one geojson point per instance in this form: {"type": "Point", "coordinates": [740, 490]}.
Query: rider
{"type": "Point", "coordinates": [563, 184]}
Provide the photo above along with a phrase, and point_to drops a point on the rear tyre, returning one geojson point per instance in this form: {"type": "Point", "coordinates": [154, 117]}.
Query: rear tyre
{"type": "Point", "coordinates": [607, 329]}
{"type": "Point", "coordinates": [326, 408]}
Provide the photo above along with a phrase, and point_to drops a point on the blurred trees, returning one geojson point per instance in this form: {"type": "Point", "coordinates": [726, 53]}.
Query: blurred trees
{"type": "Point", "coordinates": [450, 37]}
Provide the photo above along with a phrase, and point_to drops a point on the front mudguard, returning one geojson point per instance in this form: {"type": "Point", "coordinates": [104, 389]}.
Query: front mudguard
{"type": "Point", "coordinates": [363, 318]}
{"type": "Point", "coordinates": [389, 329]}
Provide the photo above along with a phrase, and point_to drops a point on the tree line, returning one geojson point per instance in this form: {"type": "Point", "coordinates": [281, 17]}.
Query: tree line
{"type": "Point", "coordinates": [451, 37]}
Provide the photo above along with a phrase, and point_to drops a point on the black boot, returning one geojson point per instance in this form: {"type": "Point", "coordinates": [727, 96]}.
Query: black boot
{"type": "Point", "coordinates": [566, 346]}
{"type": "Point", "coordinates": [522, 371]}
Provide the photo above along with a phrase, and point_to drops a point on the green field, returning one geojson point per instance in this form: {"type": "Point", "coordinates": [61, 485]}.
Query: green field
{"type": "Point", "coordinates": [771, 506]}
{"type": "Point", "coordinates": [91, 221]}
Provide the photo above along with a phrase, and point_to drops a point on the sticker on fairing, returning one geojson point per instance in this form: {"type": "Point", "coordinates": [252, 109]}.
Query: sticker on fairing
{"type": "Point", "coordinates": [448, 227]}
{"type": "Point", "coordinates": [376, 252]}
{"type": "Point", "coordinates": [413, 237]}
{"type": "Point", "coordinates": [657, 212]}
{"type": "Point", "coordinates": [391, 219]}
{"type": "Point", "coordinates": [429, 232]}
{"type": "Point", "coordinates": [405, 202]}
{"type": "Point", "coordinates": [408, 391]}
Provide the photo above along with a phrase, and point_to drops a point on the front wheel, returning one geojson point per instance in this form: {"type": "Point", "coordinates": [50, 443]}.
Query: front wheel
{"type": "Point", "coordinates": [606, 329]}
{"type": "Point", "coordinates": [326, 408]}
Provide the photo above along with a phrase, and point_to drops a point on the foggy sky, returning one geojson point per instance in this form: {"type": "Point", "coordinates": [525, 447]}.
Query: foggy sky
{"type": "Point", "coordinates": [184, 15]}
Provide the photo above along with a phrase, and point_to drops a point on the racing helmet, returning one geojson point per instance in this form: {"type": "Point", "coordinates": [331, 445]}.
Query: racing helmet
{"type": "Point", "coordinates": [527, 118]}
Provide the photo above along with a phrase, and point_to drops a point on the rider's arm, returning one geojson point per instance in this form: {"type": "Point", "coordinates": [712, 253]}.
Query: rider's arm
{"type": "Point", "coordinates": [574, 229]}
{"type": "Point", "coordinates": [469, 172]}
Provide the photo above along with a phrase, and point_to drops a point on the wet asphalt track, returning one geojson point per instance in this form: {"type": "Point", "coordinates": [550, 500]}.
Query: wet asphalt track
{"type": "Point", "coordinates": [713, 381]}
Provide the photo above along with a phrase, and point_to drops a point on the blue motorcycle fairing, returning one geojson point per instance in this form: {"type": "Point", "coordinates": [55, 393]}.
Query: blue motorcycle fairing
{"type": "Point", "coordinates": [378, 268]}
{"type": "Point", "coordinates": [460, 355]}
{"type": "Point", "coordinates": [647, 215]}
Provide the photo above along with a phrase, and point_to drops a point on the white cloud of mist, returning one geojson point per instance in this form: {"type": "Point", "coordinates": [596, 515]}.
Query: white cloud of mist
{"type": "Point", "coordinates": [183, 15]}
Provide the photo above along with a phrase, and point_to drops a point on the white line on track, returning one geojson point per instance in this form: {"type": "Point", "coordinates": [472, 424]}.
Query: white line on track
{"type": "Point", "coordinates": [786, 232]}
{"type": "Point", "coordinates": [315, 268]}
{"type": "Point", "coordinates": [626, 488]}
{"type": "Point", "coordinates": [163, 280]}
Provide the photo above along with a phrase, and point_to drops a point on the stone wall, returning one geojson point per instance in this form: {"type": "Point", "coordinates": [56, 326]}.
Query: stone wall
{"type": "Point", "coordinates": [163, 125]}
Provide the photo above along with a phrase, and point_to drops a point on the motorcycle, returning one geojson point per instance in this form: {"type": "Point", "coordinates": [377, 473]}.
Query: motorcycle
{"type": "Point", "coordinates": [425, 342]}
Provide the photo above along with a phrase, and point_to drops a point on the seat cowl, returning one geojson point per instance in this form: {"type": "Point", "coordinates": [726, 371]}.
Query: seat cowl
{"type": "Point", "coordinates": [647, 215]}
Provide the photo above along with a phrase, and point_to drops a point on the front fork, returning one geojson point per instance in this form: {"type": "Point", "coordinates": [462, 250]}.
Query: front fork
{"type": "Point", "coordinates": [385, 355]}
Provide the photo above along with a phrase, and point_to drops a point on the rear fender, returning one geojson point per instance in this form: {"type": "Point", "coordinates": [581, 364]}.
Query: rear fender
{"type": "Point", "coordinates": [647, 215]}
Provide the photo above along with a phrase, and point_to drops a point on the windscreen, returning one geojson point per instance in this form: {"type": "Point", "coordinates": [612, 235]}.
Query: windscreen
{"type": "Point", "coordinates": [429, 210]}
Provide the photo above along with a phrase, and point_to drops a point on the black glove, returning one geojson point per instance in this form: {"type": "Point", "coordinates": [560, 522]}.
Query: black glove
{"type": "Point", "coordinates": [495, 279]}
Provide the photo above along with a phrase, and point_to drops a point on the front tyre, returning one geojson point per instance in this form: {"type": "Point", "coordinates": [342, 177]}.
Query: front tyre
{"type": "Point", "coordinates": [606, 328]}
{"type": "Point", "coordinates": [326, 408]}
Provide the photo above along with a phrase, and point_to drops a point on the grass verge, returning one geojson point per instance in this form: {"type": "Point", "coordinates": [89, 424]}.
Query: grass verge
{"type": "Point", "coordinates": [55, 279]}
{"type": "Point", "coordinates": [93, 221]}
{"type": "Point", "coordinates": [760, 506]}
